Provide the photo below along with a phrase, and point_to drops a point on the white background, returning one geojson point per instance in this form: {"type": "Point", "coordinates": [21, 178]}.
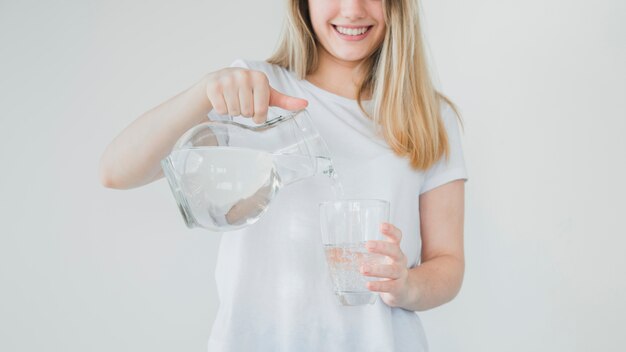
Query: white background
{"type": "Point", "coordinates": [541, 86]}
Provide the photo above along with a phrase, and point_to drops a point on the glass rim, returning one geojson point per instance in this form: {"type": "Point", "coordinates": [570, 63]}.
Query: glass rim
{"type": "Point", "coordinates": [355, 200]}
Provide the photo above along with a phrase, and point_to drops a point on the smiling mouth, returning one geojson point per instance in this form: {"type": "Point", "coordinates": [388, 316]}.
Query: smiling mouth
{"type": "Point", "coordinates": [352, 31]}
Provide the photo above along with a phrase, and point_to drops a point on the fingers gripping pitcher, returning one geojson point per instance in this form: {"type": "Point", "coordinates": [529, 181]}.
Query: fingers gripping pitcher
{"type": "Point", "coordinates": [224, 174]}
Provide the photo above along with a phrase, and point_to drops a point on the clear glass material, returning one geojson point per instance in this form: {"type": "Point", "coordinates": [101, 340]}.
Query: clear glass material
{"type": "Point", "coordinates": [346, 226]}
{"type": "Point", "coordinates": [224, 174]}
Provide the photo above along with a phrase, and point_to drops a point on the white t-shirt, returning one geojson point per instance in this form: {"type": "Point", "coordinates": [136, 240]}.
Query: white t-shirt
{"type": "Point", "coordinates": [273, 284]}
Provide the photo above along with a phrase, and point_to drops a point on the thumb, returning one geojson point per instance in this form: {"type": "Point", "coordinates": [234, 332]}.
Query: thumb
{"type": "Point", "coordinates": [285, 101]}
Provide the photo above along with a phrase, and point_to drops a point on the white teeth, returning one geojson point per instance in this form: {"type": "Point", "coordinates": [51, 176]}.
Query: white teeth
{"type": "Point", "coordinates": [351, 31]}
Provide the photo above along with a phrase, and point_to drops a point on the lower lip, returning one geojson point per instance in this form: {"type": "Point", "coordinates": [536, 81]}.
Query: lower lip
{"type": "Point", "coordinates": [352, 37]}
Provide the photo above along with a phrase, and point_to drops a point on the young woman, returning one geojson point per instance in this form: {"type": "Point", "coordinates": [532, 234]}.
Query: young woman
{"type": "Point", "coordinates": [359, 68]}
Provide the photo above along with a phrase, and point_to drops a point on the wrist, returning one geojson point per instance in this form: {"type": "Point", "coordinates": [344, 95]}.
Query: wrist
{"type": "Point", "coordinates": [412, 292]}
{"type": "Point", "coordinates": [200, 92]}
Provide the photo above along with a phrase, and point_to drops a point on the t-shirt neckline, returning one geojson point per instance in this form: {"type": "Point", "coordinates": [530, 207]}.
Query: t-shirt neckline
{"type": "Point", "coordinates": [333, 96]}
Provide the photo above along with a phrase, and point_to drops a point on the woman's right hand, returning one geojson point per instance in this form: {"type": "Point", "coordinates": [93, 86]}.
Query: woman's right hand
{"type": "Point", "coordinates": [238, 91]}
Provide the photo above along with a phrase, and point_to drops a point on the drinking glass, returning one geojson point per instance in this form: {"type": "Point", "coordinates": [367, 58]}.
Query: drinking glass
{"type": "Point", "coordinates": [346, 226]}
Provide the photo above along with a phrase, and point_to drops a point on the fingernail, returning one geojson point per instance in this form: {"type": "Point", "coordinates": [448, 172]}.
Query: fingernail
{"type": "Point", "coordinates": [384, 227]}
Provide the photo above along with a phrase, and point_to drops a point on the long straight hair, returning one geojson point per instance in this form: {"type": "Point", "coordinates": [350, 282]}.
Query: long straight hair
{"type": "Point", "coordinates": [406, 105]}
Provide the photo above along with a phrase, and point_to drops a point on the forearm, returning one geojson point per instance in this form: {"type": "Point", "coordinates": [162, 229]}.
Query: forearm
{"type": "Point", "coordinates": [133, 158]}
{"type": "Point", "coordinates": [434, 282]}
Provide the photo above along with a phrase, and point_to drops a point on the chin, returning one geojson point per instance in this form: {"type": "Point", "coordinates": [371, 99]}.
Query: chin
{"type": "Point", "coordinates": [350, 56]}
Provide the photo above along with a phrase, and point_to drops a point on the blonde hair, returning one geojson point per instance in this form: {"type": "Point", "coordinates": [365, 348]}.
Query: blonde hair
{"type": "Point", "coordinates": [406, 105]}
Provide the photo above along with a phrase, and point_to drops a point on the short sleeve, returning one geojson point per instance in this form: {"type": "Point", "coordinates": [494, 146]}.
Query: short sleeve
{"type": "Point", "coordinates": [239, 63]}
{"type": "Point", "coordinates": [444, 171]}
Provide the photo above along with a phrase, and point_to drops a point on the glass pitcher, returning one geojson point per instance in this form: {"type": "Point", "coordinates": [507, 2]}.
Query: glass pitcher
{"type": "Point", "coordinates": [224, 174]}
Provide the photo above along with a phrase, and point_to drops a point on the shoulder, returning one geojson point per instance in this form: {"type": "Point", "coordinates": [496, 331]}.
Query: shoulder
{"type": "Point", "coordinates": [270, 70]}
{"type": "Point", "coordinates": [278, 77]}
{"type": "Point", "coordinates": [450, 118]}
{"type": "Point", "coordinates": [448, 112]}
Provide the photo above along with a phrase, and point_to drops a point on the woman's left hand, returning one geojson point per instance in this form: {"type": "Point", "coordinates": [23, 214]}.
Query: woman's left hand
{"type": "Point", "coordinates": [395, 290]}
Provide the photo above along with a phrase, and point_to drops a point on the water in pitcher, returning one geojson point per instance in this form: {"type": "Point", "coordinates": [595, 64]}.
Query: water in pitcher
{"type": "Point", "coordinates": [220, 193]}
{"type": "Point", "coordinates": [223, 195]}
